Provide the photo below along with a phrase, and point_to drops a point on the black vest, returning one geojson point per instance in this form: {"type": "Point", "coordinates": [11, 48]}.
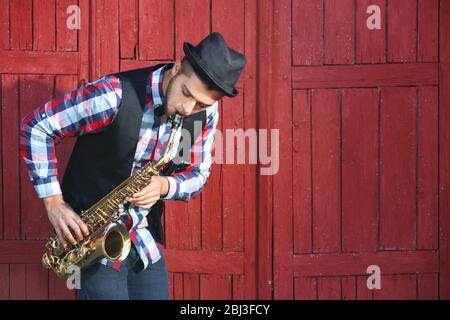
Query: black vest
{"type": "Point", "coordinates": [102, 160]}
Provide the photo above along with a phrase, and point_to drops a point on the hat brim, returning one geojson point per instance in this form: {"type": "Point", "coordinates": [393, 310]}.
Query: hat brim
{"type": "Point", "coordinates": [203, 72]}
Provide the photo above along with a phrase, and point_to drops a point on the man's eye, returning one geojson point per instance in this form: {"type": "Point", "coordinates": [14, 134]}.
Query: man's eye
{"type": "Point", "coordinates": [185, 94]}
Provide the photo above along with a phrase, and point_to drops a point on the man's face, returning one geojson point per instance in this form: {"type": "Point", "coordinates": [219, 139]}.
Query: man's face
{"type": "Point", "coordinates": [187, 94]}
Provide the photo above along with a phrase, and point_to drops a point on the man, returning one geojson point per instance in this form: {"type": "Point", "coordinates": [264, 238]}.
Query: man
{"type": "Point", "coordinates": [122, 121]}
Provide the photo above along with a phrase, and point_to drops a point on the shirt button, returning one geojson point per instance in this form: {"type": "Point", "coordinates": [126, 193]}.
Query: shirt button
{"type": "Point", "coordinates": [43, 115]}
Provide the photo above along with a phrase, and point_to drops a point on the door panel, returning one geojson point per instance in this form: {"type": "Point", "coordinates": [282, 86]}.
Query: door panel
{"type": "Point", "coordinates": [359, 132]}
{"type": "Point", "coordinates": [40, 59]}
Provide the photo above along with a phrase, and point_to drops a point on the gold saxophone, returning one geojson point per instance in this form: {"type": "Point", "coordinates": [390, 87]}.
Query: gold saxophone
{"type": "Point", "coordinates": [107, 239]}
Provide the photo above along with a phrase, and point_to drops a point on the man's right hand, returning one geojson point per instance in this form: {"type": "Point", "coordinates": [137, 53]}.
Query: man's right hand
{"type": "Point", "coordinates": [64, 219]}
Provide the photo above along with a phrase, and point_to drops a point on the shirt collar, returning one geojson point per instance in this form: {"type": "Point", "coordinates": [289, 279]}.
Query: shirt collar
{"type": "Point", "coordinates": [155, 88]}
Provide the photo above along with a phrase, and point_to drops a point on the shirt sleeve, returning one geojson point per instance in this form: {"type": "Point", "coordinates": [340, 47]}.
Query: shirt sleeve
{"type": "Point", "coordinates": [82, 111]}
{"type": "Point", "coordinates": [189, 182]}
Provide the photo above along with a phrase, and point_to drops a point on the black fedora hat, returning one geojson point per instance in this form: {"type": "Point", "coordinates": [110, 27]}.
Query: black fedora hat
{"type": "Point", "coordinates": [215, 63]}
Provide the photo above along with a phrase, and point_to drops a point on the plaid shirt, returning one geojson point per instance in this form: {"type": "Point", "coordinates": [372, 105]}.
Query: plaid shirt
{"type": "Point", "coordinates": [94, 106]}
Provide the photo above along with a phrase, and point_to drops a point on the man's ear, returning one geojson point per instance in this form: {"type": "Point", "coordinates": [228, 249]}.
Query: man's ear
{"type": "Point", "coordinates": [176, 68]}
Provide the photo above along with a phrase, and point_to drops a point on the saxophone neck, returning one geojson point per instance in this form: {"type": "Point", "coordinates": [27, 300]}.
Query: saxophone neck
{"type": "Point", "coordinates": [165, 158]}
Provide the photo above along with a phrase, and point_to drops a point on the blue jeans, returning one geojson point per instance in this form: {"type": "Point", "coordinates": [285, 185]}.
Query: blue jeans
{"type": "Point", "coordinates": [99, 282]}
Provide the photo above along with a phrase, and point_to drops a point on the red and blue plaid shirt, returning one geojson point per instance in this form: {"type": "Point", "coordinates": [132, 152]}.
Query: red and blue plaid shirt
{"type": "Point", "coordinates": [94, 106]}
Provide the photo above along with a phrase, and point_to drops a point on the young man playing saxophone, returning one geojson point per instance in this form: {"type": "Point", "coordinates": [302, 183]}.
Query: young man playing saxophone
{"type": "Point", "coordinates": [122, 121]}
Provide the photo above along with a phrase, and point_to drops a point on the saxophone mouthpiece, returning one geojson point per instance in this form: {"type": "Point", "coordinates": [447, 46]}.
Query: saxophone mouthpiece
{"type": "Point", "coordinates": [176, 121]}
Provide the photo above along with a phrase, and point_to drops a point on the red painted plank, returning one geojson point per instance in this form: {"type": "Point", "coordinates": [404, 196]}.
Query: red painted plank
{"type": "Point", "coordinates": [251, 104]}
{"type": "Point", "coordinates": [251, 107]}
{"type": "Point", "coordinates": [66, 39]}
{"type": "Point", "coordinates": [1, 160]}
{"type": "Point", "coordinates": [444, 152]}
{"type": "Point", "coordinates": [183, 224]}
{"type": "Point", "coordinates": [348, 288]}
{"type": "Point", "coordinates": [307, 37]}
{"type": "Point", "coordinates": [396, 287]}
{"type": "Point", "coordinates": [44, 25]}
{"type": "Point", "coordinates": [215, 287]}
{"type": "Point", "coordinates": [282, 191]}
{"type": "Point", "coordinates": [228, 19]}
{"type": "Point", "coordinates": [265, 183]}
{"type": "Point", "coordinates": [191, 286]}
{"type": "Point", "coordinates": [326, 163]}
{"type": "Point", "coordinates": [178, 286]}
{"type": "Point", "coordinates": [106, 37]}
{"type": "Point", "coordinates": [398, 169]}
{"type": "Point", "coordinates": [427, 223]}
{"type": "Point", "coordinates": [31, 251]}
{"type": "Point", "coordinates": [203, 261]}
{"type": "Point", "coordinates": [305, 288]}
{"type": "Point", "coordinates": [128, 14]}
{"type": "Point", "coordinates": [4, 24]}
{"type": "Point", "coordinates": [359, 169]}
{"type": "Point", "coordinates": [38, 62]}
{"type": "Point", "coordinates": [84, 38]}
{"type": "Point", "coordinates": [410, 74]}
{"type": "Point", "coordinates": [21, 25]}
{"type": "Point", "coordinates": [37, 282]}
{"type": "Point", "coordinates": [301, 174]}
{"type": "Point", "coordinates": [308, 265]}
{"type": "Point", "coordinates": [239, 286]}
{"type": "Point", "coordinates": [233, 175]}
{"type": "Point", "coordinates": [156, 16]}
{"type": "Point", "coordinates": [192, 228]}
{"type": "Point", "coordinates": [329, 288]}
{"type": "Point", "coordinates": [34, 92]}
{"type": "Point", "coordinates": [58, 288]}
{"type": "Point", "coordinates": [362, 292]}
{"type": "Point", "coordinates": [428, 31]}
{"type": "Point", "coordinates": [176, 218]}
{"type": "Point", "coordinates": [10, 164]}
{"type": "Point", "coordinates": [4, 281]}
{"type": "Point", "coordinates": [428, 287]}
{"type": "Point", "coordinates": [212, 197]}
{"type": "Point", "coordinates": [402, 30]}
{"type": "Point", "coordinates": [339, 32]}
{"type": "Point", "coordinates": [17, 282]}
{"type": "Point", "coordinates": [370, 43]}
{"type": "Point", "coordinates": [190, 13]}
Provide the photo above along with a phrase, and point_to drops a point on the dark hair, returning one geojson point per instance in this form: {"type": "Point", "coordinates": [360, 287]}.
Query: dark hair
{"type": "Point", "coordinates": [187, 69]}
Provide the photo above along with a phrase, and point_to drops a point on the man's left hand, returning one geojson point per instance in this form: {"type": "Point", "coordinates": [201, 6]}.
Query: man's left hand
{"type": "Point", "coordinates": [151, 193]}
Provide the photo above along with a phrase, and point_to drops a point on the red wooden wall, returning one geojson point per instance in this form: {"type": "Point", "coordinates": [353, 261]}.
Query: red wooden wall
{"type": "Point", "coordinates": [363, 117]}
{"type": "Point", "coordinates": [364, 155]}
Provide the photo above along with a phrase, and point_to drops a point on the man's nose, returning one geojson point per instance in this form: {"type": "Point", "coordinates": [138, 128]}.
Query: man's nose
{"type": "Point", "coordinates": [188, 107]}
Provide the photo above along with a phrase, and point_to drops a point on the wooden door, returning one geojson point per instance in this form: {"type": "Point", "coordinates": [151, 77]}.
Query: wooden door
{"type": "Point", "coordinates": [363, 154]}
{"type": "Point", "coordinates": [210, 240]}
{"type": "Point", "coordinates": [40, 58]}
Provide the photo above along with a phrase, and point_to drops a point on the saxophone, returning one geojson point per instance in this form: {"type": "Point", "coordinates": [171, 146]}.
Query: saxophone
{"type": "Point", "coordinates": [107, 238]}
